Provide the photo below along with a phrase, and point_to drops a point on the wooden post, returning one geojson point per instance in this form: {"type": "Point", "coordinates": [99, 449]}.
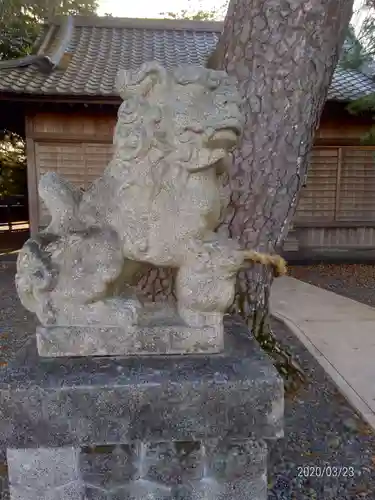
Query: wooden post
{"type": "Point", "coordinates": [338, 182]}
{"type": "Point", "coordinates": [9, 213]}
{"type": "Point", "coordinates": [32, 178]}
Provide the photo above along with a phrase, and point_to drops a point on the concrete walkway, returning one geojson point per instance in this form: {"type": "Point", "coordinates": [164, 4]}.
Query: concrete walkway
{"type": "Point", "coordinates": [339, 332]}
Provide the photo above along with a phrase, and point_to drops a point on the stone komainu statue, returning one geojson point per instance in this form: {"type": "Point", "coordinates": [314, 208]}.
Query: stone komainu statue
{"type": "Point", "coordinates": [158, 202]}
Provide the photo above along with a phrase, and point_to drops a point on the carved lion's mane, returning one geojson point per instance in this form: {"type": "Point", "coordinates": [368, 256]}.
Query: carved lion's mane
{"type": "Point", "coordinates": [149, 138]}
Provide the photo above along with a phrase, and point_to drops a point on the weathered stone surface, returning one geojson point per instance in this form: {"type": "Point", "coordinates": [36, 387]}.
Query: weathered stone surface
{"type": "Point", "coordinates": [186, 427]}
{"type": "Point", "coordinates": [44, 474]}
{"type": "Point", "coordinates": [140, 340]}
{"type": "Point", "coordinates": [158, 202]}
{"type": "Point", "coordinates": [48, 402]}
{"type": "Point", "coordinates": [213, 469]}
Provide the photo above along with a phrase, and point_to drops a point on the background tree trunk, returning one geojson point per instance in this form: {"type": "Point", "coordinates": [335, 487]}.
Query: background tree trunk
{"type": "Point", "coordinates": [283, 54]}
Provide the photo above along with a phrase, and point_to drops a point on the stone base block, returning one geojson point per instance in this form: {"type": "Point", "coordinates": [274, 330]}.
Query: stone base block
{"type": "Point", "coordinates": [213, 469]}
{"type": "Point", "coordinates": [83, 400]}
{"type": "Point", "coordinates": [62, 341]}
{"type": "Point", "coordinates": [44, 474]}
{"type": "Point", "coordinates": [179, 427]}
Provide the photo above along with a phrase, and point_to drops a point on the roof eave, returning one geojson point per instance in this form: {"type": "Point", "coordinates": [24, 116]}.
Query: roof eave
{"type": "Point", "coordinates": [84, 98]}
{"type": "Point", "coordinates": [45, 63]}
{"type": "Point", "coordinates": [142, 23]}
{"type": "Point", "coordinates": [60, 98]}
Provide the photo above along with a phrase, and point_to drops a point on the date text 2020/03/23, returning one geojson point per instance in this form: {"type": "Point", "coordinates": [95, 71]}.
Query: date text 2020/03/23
{"type": "Point", "coordinates": [325, 470]}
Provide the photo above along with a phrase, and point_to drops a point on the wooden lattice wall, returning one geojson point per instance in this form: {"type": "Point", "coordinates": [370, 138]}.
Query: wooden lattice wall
{"type": "Point", "coordinates": [79, 163]}
{"type": "Point", "coordinates": [340, 186]}
{"type": "Point", "coordinates": [77, 146]}
{"type": "Point", "coordinates": [337, 205]}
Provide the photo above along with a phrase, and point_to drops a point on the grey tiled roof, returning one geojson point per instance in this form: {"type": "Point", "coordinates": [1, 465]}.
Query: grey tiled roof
{"type": "Point", "coordinates": [99, 50]}
{"type": "Point", "coordinates": [348, 85]}
{"type": "Point", "coordinates": [100, 46]}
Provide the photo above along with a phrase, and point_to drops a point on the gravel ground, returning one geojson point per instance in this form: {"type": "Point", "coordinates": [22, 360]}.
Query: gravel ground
{"type": "Point", "coordinates": [321, 428]}
{"type": "Point", "coordinates": [356, 281]}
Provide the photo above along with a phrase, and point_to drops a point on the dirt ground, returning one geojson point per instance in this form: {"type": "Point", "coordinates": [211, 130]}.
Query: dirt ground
{"type": "Point", "coordinates": [355, 281]}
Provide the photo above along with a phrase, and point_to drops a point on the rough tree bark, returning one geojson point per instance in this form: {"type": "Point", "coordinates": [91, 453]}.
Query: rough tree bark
{"type": "Point", "coordinates": [283, 53]}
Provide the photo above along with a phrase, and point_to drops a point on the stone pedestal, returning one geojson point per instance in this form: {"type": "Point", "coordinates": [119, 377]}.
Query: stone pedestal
{"type": "Point", "coordinates": [173, 427]}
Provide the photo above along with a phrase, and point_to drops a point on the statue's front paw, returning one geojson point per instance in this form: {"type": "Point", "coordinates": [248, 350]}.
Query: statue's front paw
{"type": "Point", "coordinates": [114, 312]}
{"type": "Point", "coordinates": [124, 311]}
{"type": "Point", "coordinates": [199, 319]}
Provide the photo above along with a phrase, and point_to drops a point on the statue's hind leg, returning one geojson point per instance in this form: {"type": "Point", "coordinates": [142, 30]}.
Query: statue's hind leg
{"type": "Point", "coordinates": [99, 281]}
{"type": "Point", "coordinates": [78, 279]}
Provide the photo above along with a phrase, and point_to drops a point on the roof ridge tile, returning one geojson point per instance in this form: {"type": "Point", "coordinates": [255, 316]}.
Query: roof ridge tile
{"type": "Point", "coordinates": [96, 54]}
{"type": "Point", "coordinates": [143, 23]}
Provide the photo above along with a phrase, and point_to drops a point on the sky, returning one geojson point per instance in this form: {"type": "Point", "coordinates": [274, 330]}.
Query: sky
{"type": "Point", "coordinates": [152, 8]}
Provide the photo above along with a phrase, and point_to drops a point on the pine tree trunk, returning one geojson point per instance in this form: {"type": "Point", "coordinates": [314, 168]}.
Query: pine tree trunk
{"type": "Point", "coordinates": [283, 53]}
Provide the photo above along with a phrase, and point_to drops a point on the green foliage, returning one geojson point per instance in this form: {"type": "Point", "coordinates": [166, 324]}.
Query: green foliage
{"type": "Point", "coordinates": [216, 14]}
{"type": "Point", "coordinates": [361, 105]}
{"type": "Point", "coordinates": [359, 51]}
{"type": "Point", "coordinates": [364, 105]}
{"type": "Point", "coordinates": [354, 54]}
{"type": "Point", "coordinates": [369, 138]}
{"type": "Point", "coordinates": [13, 176]}
{"type": "Point", "coordinates": [20, 21]}
{"type": "Point", "coordinates": [18, 29]}
{"type": "Point", "coordinates": [199, 15]}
